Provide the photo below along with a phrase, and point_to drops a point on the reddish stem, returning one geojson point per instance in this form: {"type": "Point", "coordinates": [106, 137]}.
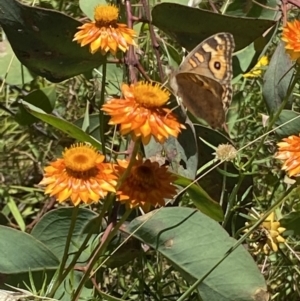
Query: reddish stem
{"type": "Point", "coordinates": [154, 42]}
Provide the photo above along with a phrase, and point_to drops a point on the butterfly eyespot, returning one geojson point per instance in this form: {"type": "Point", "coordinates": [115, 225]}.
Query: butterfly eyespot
{"type": "Point", "coordinates": [217, 65]}
{"type": "Point", "coordinates": [203, 80]}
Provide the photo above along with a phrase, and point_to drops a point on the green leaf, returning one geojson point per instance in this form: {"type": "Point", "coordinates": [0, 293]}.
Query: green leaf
{"type": "Point", "coordinates": [291, 127]}
{"type": "Point", "coordinates": [43, 98]}
{"type": "Point", "coordinates": [291, 222]}
{"type": "Point", "coordinates": [277, 79]}
{"type": "Point", "coordinates": [63, 125]}
{"type": "Point", "coordinates": [17, 74]}
{"type": "Point", "coordinates": [93, 125]}
{"type": "Point", "coordinates": [114, 78]}
{"type": "Point", "coordinates": [52, 229]}
{"type": "Point", "coordinates": [249, 8]}
{"type": "Point", "coordinates": [14, 210]}
{"type": "Point", "coordinates": [34, 255]}
{"type": "Point", "coordinates": [172, 54]}
{"type": "Point", "coordinates": [247, 58]}
{"type": "Point", "coordinates": [201, 199]}
{"type": "Point", "coordinates": [194, 243]}
{"type": "Point", "coordinates": [189, 25]}
{"type": "Point", "coordinates": [70, 284]}
{"type": "Point", "coordinates": [233, 113]}
{"type": "Point", "coordinates": [4, 221]}
{"type": "Point", "coordinates": [46, 49]}
{"type": "Point", "coordinates": [122, 250]}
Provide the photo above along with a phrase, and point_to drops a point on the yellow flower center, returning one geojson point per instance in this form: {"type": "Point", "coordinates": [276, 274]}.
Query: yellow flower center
{"type": "Point", "coordinates": [143, 178]}
{"type": "Point", "coordinates": [81, 161]}
{"type": "Point", "coordinates": [149, 95]}
{"type": "Point", "coordinates": [106, 15]}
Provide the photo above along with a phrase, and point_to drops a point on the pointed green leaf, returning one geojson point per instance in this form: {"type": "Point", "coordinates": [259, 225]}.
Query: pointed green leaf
{"type": "Point", "coordinates": [277, 79]}
{"type": "Point", "coordinates": [14, 210]}
{"type": "Point", "coordinates": [16, 73]}
{"type": "Point", "coordinates": [201, 199]}
{"type": "Point", "coordinates": [61, 124]}
{"type": "Point", "coordinates": [43, 98]}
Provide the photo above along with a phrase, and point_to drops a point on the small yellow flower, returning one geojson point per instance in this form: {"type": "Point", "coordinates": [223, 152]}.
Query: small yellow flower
{"type": "Point", "coordinates": [267, 237]}
{"type": "Point", "coordinates": [80, 175]}
{"type": "Point", "coordinates": [105, 33]}
{"type": "Point", "coordinates": [225, 152]}
{"type": "Point", "coordinates": [274, 230]}
{"type": "Point", "coordinates": [258, 68]}
{"type": "Point", "coordinates": [291, 37]}
{"type": "Point", "coordinates": [289, 152]}
{"type": "Point", "coordinates": [148, 184]}
{"type": "Point", "coordinates": [141, 113]}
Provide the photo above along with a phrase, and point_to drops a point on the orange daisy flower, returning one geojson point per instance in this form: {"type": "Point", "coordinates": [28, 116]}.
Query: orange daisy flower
{"type": "Point", "coordinates": [80, 175]}
{"type": "Point", "coordinates": [291, 37]}
{"type": "Point", "coordinates": [141, 113]}
{"type": "Point", "coordinates": [105, 33]}
{"type": "Point", "coordinates": [148, 184]}
{"type": "Point", "coordinates": [289, 152]}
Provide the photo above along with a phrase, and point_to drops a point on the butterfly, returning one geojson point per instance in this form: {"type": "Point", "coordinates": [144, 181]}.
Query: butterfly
{"type": "Point", "coordinates": [203, 80]}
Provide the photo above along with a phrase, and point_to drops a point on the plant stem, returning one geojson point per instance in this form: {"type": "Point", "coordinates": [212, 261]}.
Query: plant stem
{"type": "Point", "coordinates": [83, 245]}
{"type": "Point", "coordinates": [101, 249]}
{"type": "Point", "coordinates": [131, 163]}
{"type": "Point", "coordinates": [60, 277]}
{"type": "Point", "coordinates": [154, 42]}
{"type": "Point", "coordinates": [101, 113]}
{"type": "Point", "coordinates": [61, 4]}
{"type": "Point", "coordinates": [223, 185]}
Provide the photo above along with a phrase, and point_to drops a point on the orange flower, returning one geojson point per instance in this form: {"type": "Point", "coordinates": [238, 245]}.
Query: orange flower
{"type": "Point", "coordinates": [80, 175]}
{"type": "Point", "coordinates": [105, 33]}
{"type": "Point", "coordinates": [291, 37]}
{"type": "Point", "coordinates": [141, 113]}
{"type": "Point", "coordinates": [148, 184]}
{"type": "Point", "coordinates": [289, 151]}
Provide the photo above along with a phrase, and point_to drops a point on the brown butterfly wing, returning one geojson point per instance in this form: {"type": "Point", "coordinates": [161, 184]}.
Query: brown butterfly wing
{"type": "Point", "coordinates": [212, 58]}
{"type": "Point", "coordinates": [204, 79]}
{"type": "Point", "coordinates": [210, 108]}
